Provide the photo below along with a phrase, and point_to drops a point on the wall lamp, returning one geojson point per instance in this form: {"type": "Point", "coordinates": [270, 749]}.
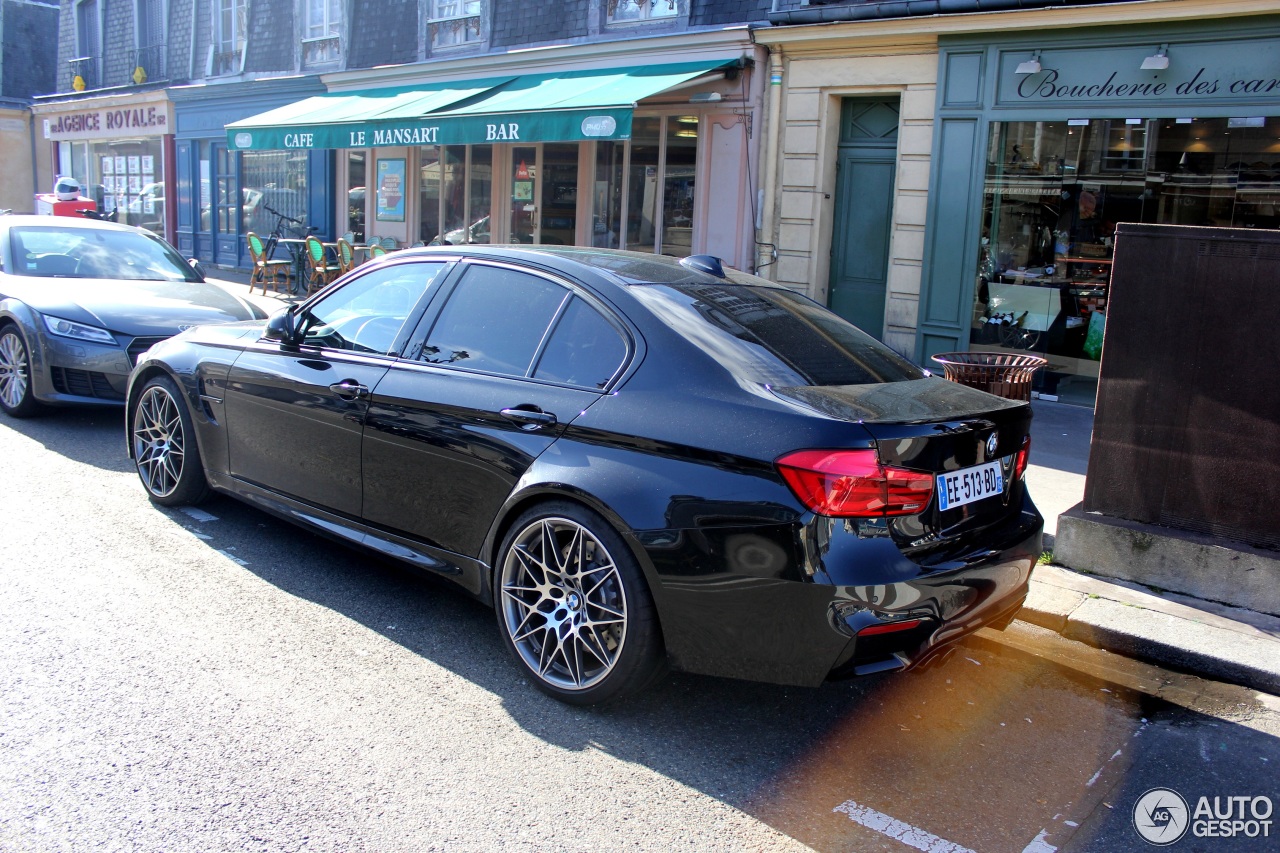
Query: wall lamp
{"type": "Point", "coordinates": [1157, 61]}
{"type": "Point", "coordinates": [1031, 66]}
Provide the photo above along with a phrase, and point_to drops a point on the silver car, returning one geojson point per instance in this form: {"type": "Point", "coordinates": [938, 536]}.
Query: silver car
{"type": "Point", "coordinates": [81, 300]}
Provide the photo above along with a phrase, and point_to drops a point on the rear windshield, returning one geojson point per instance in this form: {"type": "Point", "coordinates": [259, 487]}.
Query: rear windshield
{"type": "Point", "coordinates": [65, 251]}
{"type": "Point", "coordinates": [772, 336]}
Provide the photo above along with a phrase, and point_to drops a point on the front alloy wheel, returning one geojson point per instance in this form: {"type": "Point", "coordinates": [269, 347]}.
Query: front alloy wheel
{"type": "Point", "coordinates": [15, 375]}
{"type": "Point", "coordinates": [162, 434]}
{"type": "Point", "coordinates": [574, 609]}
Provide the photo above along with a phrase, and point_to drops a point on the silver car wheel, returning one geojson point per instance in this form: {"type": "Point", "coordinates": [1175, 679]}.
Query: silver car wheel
{"type": "Point", "coordinates": [14, 377]}
{"type": "Point", "coordinates": [158, 441]}
{"type": "Point", "coordinates": [564, 606]}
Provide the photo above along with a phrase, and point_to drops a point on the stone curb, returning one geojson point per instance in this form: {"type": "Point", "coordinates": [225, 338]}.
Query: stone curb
{"type": "Point", "coordinates": [1239, 647]}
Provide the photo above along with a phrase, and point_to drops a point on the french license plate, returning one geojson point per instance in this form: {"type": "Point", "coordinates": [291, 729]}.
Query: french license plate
{"type": "Point", "coordinates": [957, 488]}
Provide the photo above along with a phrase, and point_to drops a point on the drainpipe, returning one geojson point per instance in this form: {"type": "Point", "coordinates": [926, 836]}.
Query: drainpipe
{"type": "Point", "coordinates": [770, 159]}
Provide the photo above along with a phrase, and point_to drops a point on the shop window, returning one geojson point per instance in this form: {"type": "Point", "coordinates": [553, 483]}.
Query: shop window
{"type": "Point", "coordinates": [356, 195]}
{"type": "Point", "coordinates": [633, 11]}
{"type": "Point", "coordinates": [273, 182]}
{"type": "Point", "coordinates": [322, 42]}
{"type": "Point", "coordinates": [454, 23]}
{"type": "Point", "coordinates": [1053, 194]}
{"type": "Point", "coordinates": [660, 184]}
{"type": "Point", "coordinates": [429, 167]}
{"type": "Point", "coordinates": [606, 218]}
{"type": "Point", "coordinates": [230, 25]}
{"type": "Point", "coordinates": [125, 177]}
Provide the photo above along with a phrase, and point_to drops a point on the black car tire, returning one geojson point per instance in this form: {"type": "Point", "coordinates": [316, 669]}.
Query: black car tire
{"type": "Point", "coordinates": [16, 396]}
{"type": "Point", "coordinates": [582, 624]}
{"type": "Point", "coordinates": [164, 446]}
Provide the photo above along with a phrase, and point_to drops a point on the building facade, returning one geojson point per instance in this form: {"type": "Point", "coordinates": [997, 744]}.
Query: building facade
{"type": "Point", "coordinates": [147, 88]}
{"type": "Point", "coordinates": [952, 181]}
{"type": "Point", "coordinates": [26, 70]}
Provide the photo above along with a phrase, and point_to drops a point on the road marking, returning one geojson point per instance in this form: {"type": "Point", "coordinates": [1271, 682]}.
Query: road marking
{"type": "Point", "coordinates": [1040, 844]}
{"type": "Point", "coordinates": [198, 514]}
{"type": "Point", "coordinates": [233, 558]}
{"type": "Point", "coordinates": [896, 829]}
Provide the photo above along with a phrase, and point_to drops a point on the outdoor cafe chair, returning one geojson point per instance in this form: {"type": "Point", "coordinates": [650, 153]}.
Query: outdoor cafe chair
{"type": "Point", "coordinates": [322, 272]}
{"type": "Point", "coordinates": [346, 255]}
{"type": "Point", "coordinates": [265, 270]}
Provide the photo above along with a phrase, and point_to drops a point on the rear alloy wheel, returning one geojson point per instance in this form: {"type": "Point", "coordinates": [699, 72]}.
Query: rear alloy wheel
{"type": "Point", "coordinates": [16, 397]}
{"type": "Point", "coordinates": [164, 446]}
{"type": "Point", "coordinates": [574, 607]}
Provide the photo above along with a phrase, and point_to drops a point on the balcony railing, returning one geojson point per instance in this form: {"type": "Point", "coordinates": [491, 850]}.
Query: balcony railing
{"type": "Point", "coordinates": [151, 59]}
{"type": "Point", "coordinates": [86, 69]}
{"type": "Point", "coordinates": [227, 62]}
{"type": "Point", "coordinates": [320, 51]}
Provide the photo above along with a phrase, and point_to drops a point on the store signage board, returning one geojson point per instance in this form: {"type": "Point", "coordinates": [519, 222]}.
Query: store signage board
{"type": "Point", "coordinates": [551, 126]}
{"type": "Point", "coordinates": [1217, 73]}
{"type": "Point", "coordinates": [109, 122]}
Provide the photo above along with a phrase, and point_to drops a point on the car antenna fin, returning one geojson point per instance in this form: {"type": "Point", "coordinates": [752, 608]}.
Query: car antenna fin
{"type": "Point", "coordinates": [704, 263]}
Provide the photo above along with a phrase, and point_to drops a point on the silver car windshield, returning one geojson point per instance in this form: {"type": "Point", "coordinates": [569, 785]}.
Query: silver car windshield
{"type": "Point", "coordinates": [60, 251]}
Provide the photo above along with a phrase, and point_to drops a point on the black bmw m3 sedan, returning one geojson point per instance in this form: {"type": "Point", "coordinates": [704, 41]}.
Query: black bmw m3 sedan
{"type": "Point", "coordinates": [638, 461]}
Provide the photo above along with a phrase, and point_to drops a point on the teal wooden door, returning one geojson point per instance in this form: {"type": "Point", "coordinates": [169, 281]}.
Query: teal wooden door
{"type": "Point", "coordinates": [867, 158]}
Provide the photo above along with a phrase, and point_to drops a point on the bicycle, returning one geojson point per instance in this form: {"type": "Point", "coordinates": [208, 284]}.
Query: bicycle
{"type": "Point", "coordinates": [289, 228]}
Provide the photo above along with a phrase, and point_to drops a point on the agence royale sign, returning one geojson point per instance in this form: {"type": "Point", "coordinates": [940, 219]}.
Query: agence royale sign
{"type": "Point", "coordinates": [107, 122]}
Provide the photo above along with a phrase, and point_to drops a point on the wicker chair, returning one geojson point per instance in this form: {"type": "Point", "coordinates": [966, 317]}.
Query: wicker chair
{"type": "Point", "coordinates": [376, 250]}
{"type": "Point", "coordinates": [346, 255]}
{"type": "Point", "coordinates": [322, 272]}
{"type": "Point", "coordinates": [265, 270]}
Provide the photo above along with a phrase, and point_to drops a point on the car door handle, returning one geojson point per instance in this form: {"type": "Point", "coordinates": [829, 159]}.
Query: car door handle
{"type": "Point", "coordinates": [530, 418]}
{"type": "Point", "coordinates": [349, 389]}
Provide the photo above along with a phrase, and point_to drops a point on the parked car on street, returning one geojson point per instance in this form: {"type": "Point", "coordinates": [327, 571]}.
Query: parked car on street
{"type": "Point", "coordinates": [81, 299]}
{"type": "Point", "coordinates": [637, 461]}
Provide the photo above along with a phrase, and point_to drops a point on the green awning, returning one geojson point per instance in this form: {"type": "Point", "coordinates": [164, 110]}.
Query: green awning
{"type": "Point", "coordinates": [566, 107]}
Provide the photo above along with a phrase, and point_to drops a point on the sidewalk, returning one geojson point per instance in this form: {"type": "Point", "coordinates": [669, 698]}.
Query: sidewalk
{"type": "Point", "coordinates": [1179, 632]}
{"type": "Point", "coordinates": [1212, 640]}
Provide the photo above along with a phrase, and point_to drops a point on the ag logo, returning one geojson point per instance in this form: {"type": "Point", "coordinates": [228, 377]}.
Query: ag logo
{"type": "Point", "coordinates": [1161, 816]}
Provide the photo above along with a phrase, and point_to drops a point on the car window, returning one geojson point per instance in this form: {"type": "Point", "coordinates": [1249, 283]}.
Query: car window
{"type": "Point", "coordinates": [66, 251]}
{"type": "Point", "coordinates": [585, 348]}
{"type": "Point", "coordinates": [494, 320]}
{"type": "Point", "coordinates": [772, 336]}
{"type": "Point", "coordinates": [367, 313]}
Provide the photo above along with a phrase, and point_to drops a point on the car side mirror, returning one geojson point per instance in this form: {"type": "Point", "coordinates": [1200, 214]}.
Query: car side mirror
{"type": "Point", "coordinates": [283, 327]}
{"type": "Point", "coordinates": [198, 267]}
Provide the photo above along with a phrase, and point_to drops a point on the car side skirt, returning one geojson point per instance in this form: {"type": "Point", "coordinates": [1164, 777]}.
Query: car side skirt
{"type": "Point", "coordinates": [464, 571]}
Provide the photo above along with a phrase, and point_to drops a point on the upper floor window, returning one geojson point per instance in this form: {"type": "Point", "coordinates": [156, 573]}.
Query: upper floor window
{"type": "Point", "coordinates": [322, 41]}
{"type": "Point", "coordinates": [230, 22]}
{"type": "Point", "coordinates": [454, 22]}
{"type": "Point", "coordinates": [149, 49]}
{"type": "Point", "coordinates": [627, 11]}
{"type": "Point", "coordinates": [84, 67]}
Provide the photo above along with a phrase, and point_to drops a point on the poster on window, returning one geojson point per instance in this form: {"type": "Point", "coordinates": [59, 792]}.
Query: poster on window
{"type": "Point", "coordinates": [148, 165]}
{"type": "Point", "coordinates": [108, 165]}
{"type": "Point", "coordinates": [135, 165]}
{"type": "Point", "coordinates": [120, 167]}
{"type": "Point", "coordinates": [391, 190]}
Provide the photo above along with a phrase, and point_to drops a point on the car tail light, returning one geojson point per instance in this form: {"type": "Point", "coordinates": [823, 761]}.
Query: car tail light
{"type": "Point", "coordinates": [1020, 462]}
{"type": "Point", "coordinates": [853, 484]}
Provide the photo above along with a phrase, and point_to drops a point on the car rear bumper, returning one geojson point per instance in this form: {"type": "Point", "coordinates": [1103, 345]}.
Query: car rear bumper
{"type": "Point", "coordinates": [824, 604]}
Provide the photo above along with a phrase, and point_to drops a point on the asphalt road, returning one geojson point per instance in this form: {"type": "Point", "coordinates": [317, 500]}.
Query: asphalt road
{"type": "Point", "coordinates": [219, 680]}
